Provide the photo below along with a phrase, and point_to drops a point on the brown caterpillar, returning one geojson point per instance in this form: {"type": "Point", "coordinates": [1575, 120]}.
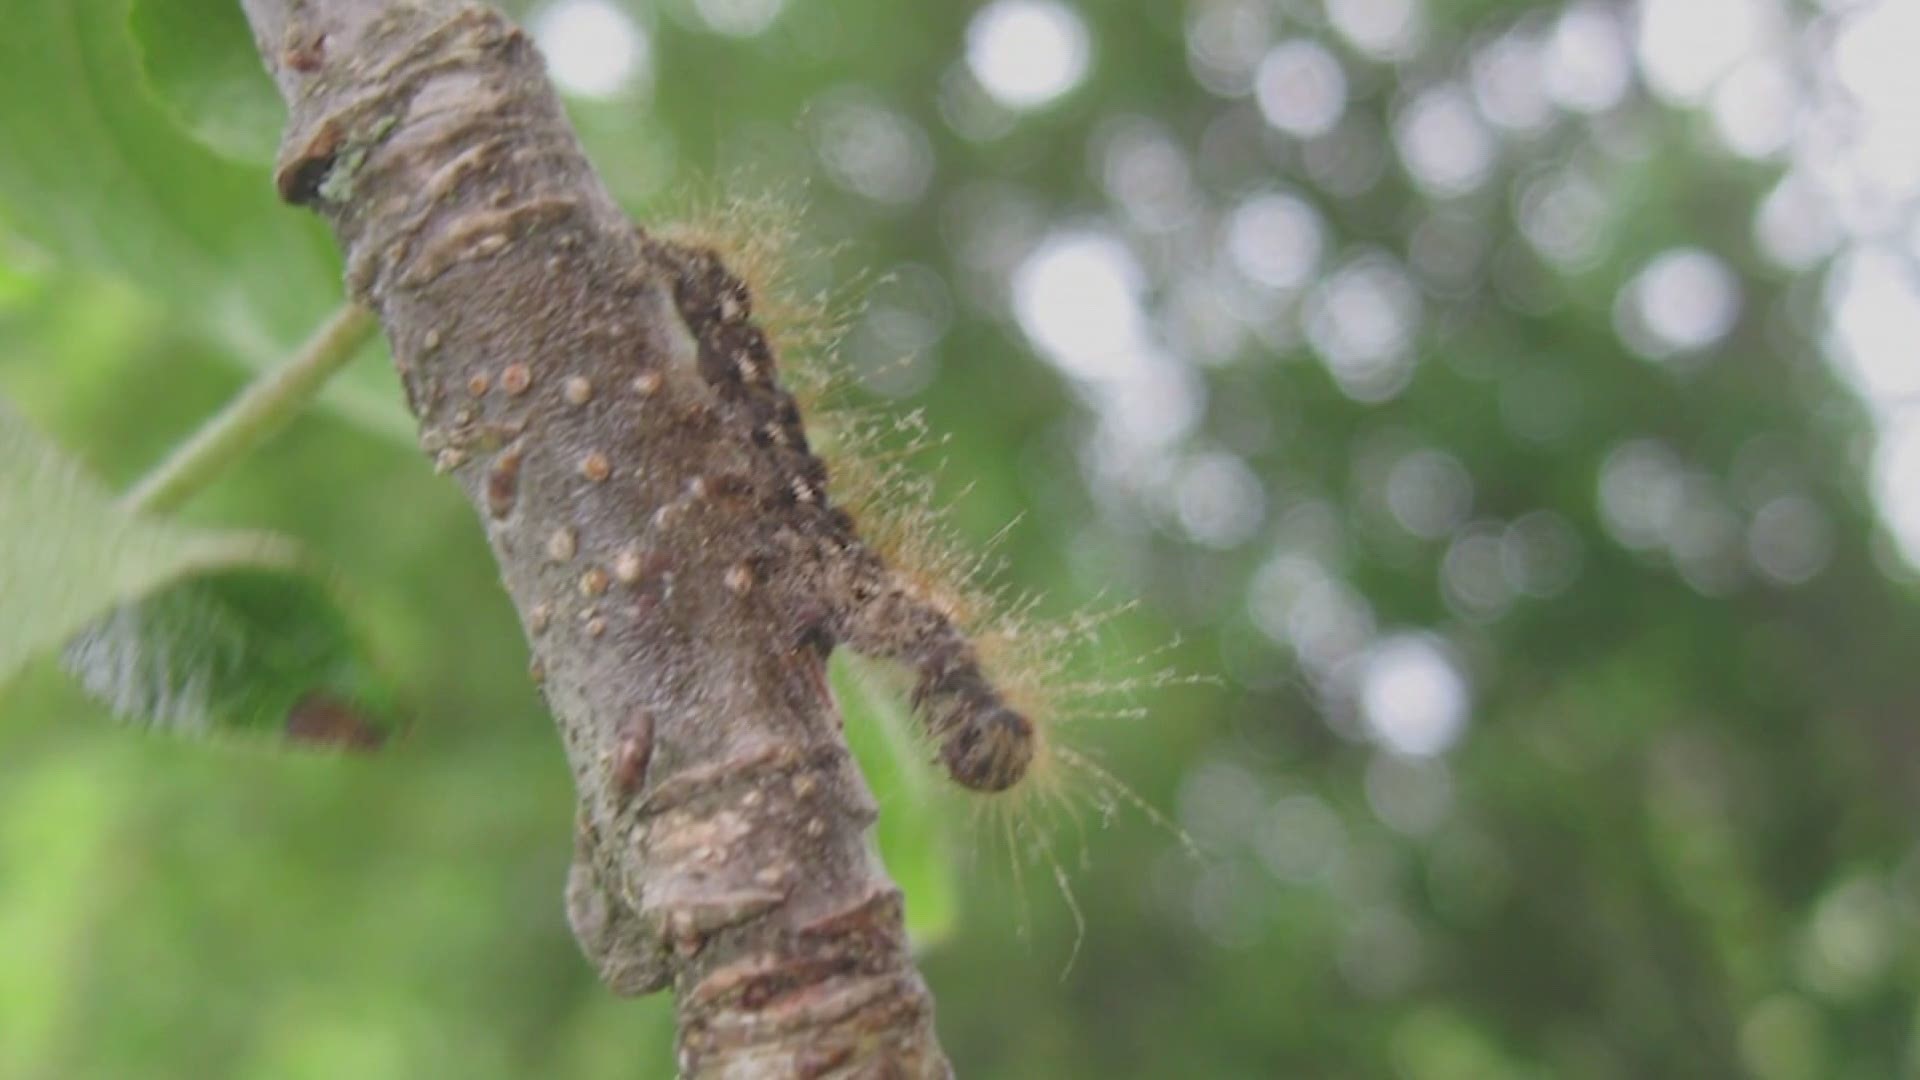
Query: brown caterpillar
{"type": "Point", "coordinates": [991, 678]}
{"type": "Point", "coordinates": [837, 587]}
{"type": "Point", "coordinates": [884, 572]}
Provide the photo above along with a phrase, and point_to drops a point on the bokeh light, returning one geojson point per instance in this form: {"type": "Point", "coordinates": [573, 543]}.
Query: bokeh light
{"type": "Point", "coordinates": [1301, 88]}
{"type": "Point", "coordinates": [1025, 53]}
{"type": "Point", "coordinates": [739, 18]}
{"type": "Point", "coordinates": [593, 47]}
{"type": "Point", "coordinates": [1413, 697]}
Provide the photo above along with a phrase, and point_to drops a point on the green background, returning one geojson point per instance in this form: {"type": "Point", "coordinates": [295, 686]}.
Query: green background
{"type": "Point", "coordinates": [1674, 839]}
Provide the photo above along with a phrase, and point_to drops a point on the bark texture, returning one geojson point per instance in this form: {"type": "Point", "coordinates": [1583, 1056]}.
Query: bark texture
{"type": "Point", "coordinates": [607, 403]}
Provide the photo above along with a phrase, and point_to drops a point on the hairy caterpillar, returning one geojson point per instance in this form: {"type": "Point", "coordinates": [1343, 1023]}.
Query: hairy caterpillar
{"type": "Point", "coordinates": [991, 677]}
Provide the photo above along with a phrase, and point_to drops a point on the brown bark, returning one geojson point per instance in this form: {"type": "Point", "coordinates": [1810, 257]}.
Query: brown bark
{"type": "Point", "coordinates": [608, 405]}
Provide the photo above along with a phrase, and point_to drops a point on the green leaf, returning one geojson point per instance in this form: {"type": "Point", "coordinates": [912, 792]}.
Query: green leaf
{"type": "Point", "coordinates": [99, 173]}
{"type": "Point", "coordinates": [915, 839]}
{"type": "Point", "coordinates": [69, 552]}
{"type": "Point", "coordinates": [199, 61]}
{"type": "Point", "coordinates": [250, 651]}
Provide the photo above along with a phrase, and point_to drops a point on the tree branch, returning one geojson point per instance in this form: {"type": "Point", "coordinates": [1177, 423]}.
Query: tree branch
{"type": "Point", "coordinates": [608, 405]}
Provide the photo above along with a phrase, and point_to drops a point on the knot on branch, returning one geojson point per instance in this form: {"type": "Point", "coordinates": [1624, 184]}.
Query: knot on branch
{"type": "Point", "coordinates": [628, 954]}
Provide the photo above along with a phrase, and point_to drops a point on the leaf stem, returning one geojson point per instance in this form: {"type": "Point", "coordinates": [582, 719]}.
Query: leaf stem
{"type": "Point", "coordinates": [267, 403]}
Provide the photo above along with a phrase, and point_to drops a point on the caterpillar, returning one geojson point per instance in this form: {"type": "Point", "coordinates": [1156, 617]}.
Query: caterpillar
{"type": "Point", "coordinates": [991, 677]}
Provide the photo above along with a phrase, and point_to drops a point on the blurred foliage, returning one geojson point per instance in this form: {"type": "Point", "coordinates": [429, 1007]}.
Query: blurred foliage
{"type": "Point", "coordinates": [267, 654]}
{"type": "Point", "coordinates": [72, 553]}
{"type": "Point", "coordinates": [99, 175]}
{"type": "Point", "coordinates": [1479, 446]}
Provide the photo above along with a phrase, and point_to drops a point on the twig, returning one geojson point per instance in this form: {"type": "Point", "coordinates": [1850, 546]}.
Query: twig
{"type": "Point", "coordinates": [266, 403]}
